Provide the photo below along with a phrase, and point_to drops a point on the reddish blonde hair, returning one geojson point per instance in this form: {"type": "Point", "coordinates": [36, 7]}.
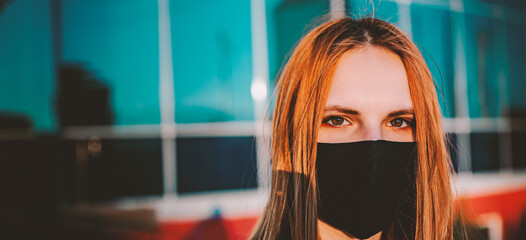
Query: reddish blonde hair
{"type": "Point", "coordinates": [302, 92]}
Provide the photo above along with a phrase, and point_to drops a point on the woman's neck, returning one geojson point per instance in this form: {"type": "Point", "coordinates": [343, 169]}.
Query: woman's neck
{"type": "Point", "coordinates": [327, 232]}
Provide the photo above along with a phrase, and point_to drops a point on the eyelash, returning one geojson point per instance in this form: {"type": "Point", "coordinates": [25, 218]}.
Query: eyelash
{"type": "Point", "coordinates": [327, 119]}
{"type": "Point", "coordinates": [408, 122]}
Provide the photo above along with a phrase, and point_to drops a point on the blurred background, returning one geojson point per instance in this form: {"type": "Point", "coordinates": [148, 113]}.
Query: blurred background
{"type": "Point", "coordinates": [143, 119]}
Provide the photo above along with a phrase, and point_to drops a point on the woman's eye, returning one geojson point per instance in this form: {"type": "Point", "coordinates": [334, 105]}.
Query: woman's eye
{"type": "Point", "coordinates": [399, 123]}
{"type": "Point", "coordinates": [336, 121]}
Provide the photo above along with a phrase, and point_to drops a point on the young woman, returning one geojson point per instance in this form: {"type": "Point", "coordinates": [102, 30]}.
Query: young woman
{"type": "Point", "coordinates": [358, 150]}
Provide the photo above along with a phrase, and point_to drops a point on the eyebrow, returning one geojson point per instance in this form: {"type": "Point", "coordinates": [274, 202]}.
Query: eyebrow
{"type": "Point", "coordinates": [402, 112]}
{"type": "Point", "coordinates": [338, 108]}
{"type": "Point", "coordinates": [350, 111]}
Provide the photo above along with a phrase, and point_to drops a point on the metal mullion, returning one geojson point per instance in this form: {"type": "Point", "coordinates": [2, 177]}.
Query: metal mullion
{"type": "Point", "coordinates": [337, 9]}
{"type": "Point", "coordinates": [259, 88]}
{"type": "Point", "coordinates": [167, 99]}
{"type": "Point", "coordinates": [462, 120]}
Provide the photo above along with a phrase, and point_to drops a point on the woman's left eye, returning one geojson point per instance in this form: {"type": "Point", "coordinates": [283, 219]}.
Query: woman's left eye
{"type": "Point", "coordinates": [336, 121]}
{"type": "Point", "coordinates": [399, 123]}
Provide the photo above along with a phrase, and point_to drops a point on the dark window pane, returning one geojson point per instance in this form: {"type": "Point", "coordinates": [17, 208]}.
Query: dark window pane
{"type": "Point", "coordinates": [484, 152]}
{"type": "Point", "coordinates": [451, 141]}
{"type": "Point", "coordinates": [34, 186]}
{"type": "Point", "coordinates": [31, 171]}
{"type": "Point", "coordinates": [216, 163]}
{"type": "Point", "coordinates": [131, 167]}
{"type": "Point", "coordinates": [518, 148]}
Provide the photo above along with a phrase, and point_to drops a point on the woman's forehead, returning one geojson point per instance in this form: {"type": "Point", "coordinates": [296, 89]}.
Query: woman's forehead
{"type": "Point", "coordinates": [370, 77]}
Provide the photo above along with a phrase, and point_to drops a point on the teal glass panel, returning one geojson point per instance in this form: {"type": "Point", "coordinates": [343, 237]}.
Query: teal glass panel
{"type": "Point", "coordinates": [117, 42]}
{"type": "Point", "coordinates": [516, 37]}
{"type": "Point", "coordinates": [431, 30]}
{"type": "Point", "coordinates": [482, 62]}
{"type": "Point", "coordinates": [212, 60]}
{"type": "Point", "coordinates": [26, 70]}
{"type": "Point", "coordinates": [287, 22]}
{"type": "Point", "coordinates": [385, 10]}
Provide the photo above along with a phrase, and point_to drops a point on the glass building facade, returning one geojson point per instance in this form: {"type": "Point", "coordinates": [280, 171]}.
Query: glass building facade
{"type": "Point", "coordinates": [95, 75]}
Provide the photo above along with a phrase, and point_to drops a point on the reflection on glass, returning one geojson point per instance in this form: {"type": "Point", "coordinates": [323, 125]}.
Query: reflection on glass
{"type": "Point", "coordinates": [211, 60]}
{"type": "Point", "coordinates": [118, 42]}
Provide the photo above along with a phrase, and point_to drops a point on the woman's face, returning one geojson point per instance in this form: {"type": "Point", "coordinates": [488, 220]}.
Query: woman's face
{"type": "Point", "coordinates": [369, 99]}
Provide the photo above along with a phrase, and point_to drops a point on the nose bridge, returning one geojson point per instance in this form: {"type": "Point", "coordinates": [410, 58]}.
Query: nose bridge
{"type": "Point", "coordinates": [372, 131]}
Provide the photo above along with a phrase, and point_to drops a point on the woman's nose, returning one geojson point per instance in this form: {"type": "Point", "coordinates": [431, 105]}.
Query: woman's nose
{"type": "Point", "coordinates": [372, 133]}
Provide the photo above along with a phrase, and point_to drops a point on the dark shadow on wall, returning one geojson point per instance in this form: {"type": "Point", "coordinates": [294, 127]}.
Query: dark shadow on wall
{"type": "Point", "coordinates": [82, 100]}
{"type": "Point", "coordinates": [3, 4]}
{"type": "Point", "coordinates": [14, 121]}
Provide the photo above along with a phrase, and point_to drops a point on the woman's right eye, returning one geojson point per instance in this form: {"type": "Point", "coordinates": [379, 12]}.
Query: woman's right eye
{"type": "Point", "coordinates": [336, 121]}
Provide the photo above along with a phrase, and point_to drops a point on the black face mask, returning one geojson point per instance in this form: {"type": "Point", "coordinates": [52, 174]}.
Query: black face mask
{"type": "Point", "coordinates": [362, 185]}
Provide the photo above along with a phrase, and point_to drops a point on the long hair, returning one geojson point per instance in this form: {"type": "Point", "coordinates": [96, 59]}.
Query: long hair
{"type": "Point", "coordinates": [302, 90]}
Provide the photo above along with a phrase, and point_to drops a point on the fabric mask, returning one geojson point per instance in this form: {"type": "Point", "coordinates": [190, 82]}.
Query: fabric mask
{"type": "Point", "coordinates": [361, 185]}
